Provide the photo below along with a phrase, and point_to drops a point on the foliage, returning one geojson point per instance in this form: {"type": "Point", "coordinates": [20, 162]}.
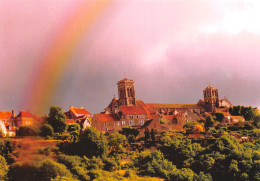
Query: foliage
{"type": "Point", "coordinates": [46, 130]}
{"type": "Point", "coordinates": [56, 119]}
{"type": "Point", "coordinates": [130, 131]}
{"type": "Point", "coordinates": [153, 164]}
{"type": "Point", "coordinates": [189, 126]}
{"type": "Point", "coordinates": [28, 131]}
{"type": "Point", "coordinates": [209, 122]}
{"type": "Point", "coordinates": [131, 139]}
{"type": "Point", "coordinates": [116, 141]}
{"type": "Point", "coordinates": [50, 169]}
{"type": "Point", "coordinates": [197, 128]}
{"type": "Point", "coordinates": [152, 135]}
{"type": "Point", "coordinates": [219, 116]}
{"type": "Point", "coordinates": [248, 113]}
{"type": "Point", "coordinates": [73, 127]}
{"type": "Point", "coordinates": [3, 168]}
{"type": "Point", "coordinates": [110, 164]}
{"type": "Point", "coordinates": [93, 143]}
{"type": "Point", "coordinates": [147, 134]}
{"type": "Point", "coordinates": [76, 165]}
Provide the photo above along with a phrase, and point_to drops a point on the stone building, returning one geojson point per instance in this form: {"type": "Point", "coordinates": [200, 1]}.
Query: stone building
{"type": "Point", "coordinates": [127, 111]}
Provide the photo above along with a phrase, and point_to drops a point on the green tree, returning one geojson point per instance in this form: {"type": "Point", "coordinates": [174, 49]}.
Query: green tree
{"type": "Point", "coordinates": [189, 126]}
{"type": "Point", "coordinates": [209, 122]}
{"type": "Point", "coordinates": [147, 134]}
{"type": "Point", "coordinates": [116, 141]}
{"type": "Point", "coordinates": [73, 127]}
{"type": "Point", "coordinates": [92, 143]}
{"type": "Point", "coordinates": [219, 116]}
{"type": "Point", "coordinates": [152, 135]}
{"type": "Point", "coordinates": [130, 131]}
{"type": "Point", "coordinates": [50, 169]}
{"type": "Point", "coordinates": [56, 119]}
{"type": "Point", "coordinates": [46, 130]}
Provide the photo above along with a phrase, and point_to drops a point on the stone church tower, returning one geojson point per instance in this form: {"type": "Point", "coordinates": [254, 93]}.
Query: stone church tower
{"type": "Point", "coordinates": [211, 99]}
{"type": "Point", "coordinates": [126, 92]}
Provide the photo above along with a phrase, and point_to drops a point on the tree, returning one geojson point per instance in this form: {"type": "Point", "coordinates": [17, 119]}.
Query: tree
{"type": "Point", "coordinates": [92, 143]}
{"type": "Point", "coordinates": [209, 122]}
{"type": "Point", "coordinates": [130, 131]}
{"type": "Point", "coordinates": [116, 141]}
{"type": "Point", "coordinates": [189, 126]}
{"type": "Point", "coordinates": [46, 130]}
{"type": "Point", "coordinates": [147, 134]}
{"type": "Point", "coordinates": [50, 169]}
{"type": "Point", "coordinates": [219, 116]}
{"type": "Point", "coordinates": [56, 119]}
{"type": "Point", "coordinates": [152, 135]}
{"type": "Point", "coordinates": [73, 127]}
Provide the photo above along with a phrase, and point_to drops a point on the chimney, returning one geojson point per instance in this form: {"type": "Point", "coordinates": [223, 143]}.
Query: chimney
{"type": "Point", "coordinates": [81, 107]}
{"type": "Point", "coordinates": [13, 113]}
{"type": "Point", "coordinates": [71, 106]}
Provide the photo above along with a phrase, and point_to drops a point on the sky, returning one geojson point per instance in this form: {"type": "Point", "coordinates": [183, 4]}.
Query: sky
{"type": "Point", "coordinates": [172, 49]}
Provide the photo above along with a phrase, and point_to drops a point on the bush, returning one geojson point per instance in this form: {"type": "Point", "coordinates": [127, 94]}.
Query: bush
{"type": "Point", "coordinates": [73, 127]}
{"type": "Point", "coordinates": [3, 168]}
{"type": "Point", "coordinates": [50, 169]}
{"type": "Point", "coordinates": [46, 130]}
{"type": "Point", "coordinates": [28, 131]}
{"type": "Point", "coordinates": [110, 164]}
{"type": "Point", "coordinates": [130, 131]}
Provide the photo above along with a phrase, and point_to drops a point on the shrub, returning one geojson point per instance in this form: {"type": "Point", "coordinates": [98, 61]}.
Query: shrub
{"type": "Point", "coordinates": [50, 169]}
{"type": "Point", "coordinates": [3, 168]}
{"type": "Point", "coordinates": [28, 131]}
{"type": "Point", "coordinates": [46, 130]}
{"type": "Point", "coordinates": [73, 127]}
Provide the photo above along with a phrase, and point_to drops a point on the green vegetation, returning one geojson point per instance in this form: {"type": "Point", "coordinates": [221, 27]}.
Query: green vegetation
{"type": "Point", "coordinates": [56, 119]}
{"type": "Point", "coordinates": [222, 152]}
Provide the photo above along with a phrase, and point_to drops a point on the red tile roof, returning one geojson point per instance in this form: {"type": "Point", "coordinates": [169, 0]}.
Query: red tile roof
{"type": "Point", "coordinates": [5, 115]}
{"type": "Point", "coordinates": [25, 114]}
{"type": "Point", "coordinates": [224, 111]}
{"type": "Point", "coordinates": [106, 117]}
{"type": "Point", "coordinates": [70, 121]}
{"type": "Point", "coordinates": [79, 111]}
{"type": "Point", "coordinates": [133, 110]}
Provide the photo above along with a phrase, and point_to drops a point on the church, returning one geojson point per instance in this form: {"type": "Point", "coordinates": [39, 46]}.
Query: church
{"type": "Point", "coordinates": [127, 111]}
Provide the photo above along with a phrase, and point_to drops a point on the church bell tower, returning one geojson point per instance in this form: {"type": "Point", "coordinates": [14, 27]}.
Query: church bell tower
{"type": "Point", "coordinates": [126, 92]}
{"type": "Point", "coordinates": [211, 99]}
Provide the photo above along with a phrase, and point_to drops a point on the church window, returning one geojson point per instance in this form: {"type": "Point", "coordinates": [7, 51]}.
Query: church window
{"type": "Point", "coordinates": [123, 122]}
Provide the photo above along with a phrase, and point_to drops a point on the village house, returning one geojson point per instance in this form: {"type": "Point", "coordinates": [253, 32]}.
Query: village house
{"type": "Point", "coordinates": [78, 115]}
{"type": "Point", "coordinates": [7, 123]}
{"type": "Point", "coordinates": [26, 118]}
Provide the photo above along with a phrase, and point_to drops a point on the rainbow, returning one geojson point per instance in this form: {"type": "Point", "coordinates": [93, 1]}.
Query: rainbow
{"type": "Point", "coordinates": [53, 65]}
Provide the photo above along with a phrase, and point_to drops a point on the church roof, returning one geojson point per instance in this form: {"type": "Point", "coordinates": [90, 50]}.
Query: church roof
{"type": "Point", "coordinates": [125, 80]}
{"type": "Point", "coordinates": [106, 117]}
{"type": "Point", "coordinates": [171, 105]}
{"type": "Point", "coordinates": [210, 87]}
{"type": "Point", "coordinates": [133, 110]}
